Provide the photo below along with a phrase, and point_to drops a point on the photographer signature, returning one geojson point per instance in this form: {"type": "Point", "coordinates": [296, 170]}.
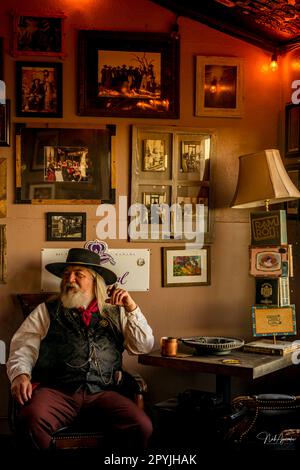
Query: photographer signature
{"type": "Point", "coordinates": [276, 439]}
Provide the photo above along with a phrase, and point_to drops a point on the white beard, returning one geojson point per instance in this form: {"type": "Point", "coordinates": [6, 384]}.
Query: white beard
{"type": "Point", "coordinates": [73, 298]}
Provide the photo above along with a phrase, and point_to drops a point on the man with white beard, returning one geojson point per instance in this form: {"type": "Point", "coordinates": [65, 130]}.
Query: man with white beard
{"type": "Point", "coordinates": [66, 357]}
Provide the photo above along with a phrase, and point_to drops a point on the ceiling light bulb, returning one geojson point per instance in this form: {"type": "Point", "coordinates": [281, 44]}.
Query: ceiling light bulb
{"type": "Point", "coordinates": [274, 63]}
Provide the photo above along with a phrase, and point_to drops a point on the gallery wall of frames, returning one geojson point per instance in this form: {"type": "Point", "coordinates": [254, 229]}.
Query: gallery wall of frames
{"type": "Point", "coordinates": [135, 77]}
{"type": "Point", "coordinates": [124, 74]}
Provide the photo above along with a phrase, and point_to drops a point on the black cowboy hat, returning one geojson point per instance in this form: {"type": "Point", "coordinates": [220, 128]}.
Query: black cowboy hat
{"type": "Point", "coordinates": [85, 258]}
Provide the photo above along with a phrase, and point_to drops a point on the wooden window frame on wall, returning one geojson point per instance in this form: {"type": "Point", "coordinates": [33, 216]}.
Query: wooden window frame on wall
{"type": "Point", "coordinates": [170, 183]}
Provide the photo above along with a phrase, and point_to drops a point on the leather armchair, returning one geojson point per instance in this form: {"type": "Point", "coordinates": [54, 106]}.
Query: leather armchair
{"type": "Point", "coordinates": [80, 434]}
{"type": "Point", "coordinates": [267, 421]}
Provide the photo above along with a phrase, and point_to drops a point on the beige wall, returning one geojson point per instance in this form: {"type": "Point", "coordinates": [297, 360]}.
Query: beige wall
{"type": "Point", "coordinates": [220, 309]}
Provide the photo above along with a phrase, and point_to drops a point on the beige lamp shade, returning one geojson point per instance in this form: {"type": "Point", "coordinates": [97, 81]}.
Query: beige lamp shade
{"type": "Point", "coordinates": [262, 179]}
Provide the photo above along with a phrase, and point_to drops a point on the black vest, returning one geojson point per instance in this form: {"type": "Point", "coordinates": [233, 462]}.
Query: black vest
{"type": "Point", "coordinates": [72, 355]}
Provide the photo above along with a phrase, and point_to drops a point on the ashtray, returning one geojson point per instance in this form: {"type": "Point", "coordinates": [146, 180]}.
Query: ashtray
{"type": "Point", "coordinates": [212, 344]}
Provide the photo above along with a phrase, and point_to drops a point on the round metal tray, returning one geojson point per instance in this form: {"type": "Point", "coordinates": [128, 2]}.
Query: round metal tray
{"type": "Point", "coordinates": [213, 344]}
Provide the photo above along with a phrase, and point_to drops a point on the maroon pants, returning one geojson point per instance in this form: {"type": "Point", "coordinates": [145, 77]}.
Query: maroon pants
{"type": "Point", "coordinates": [122, 421]}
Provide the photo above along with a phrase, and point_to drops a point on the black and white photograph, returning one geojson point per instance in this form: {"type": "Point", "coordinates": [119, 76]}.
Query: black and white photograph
{"type": "Point", "coordinates": [191, 157]}
{"type": "Point", "coordinates": [153, 202]}
{"type": "Point", "coordinates": [39, 89]}
{"type": "Point", "coordinates": [154, 158]}
{"type": "Point", "coordinates": [67, 226]}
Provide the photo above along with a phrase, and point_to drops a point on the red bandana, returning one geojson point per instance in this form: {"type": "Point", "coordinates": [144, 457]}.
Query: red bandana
{"type": "Point", "coordinates": [87, 313]}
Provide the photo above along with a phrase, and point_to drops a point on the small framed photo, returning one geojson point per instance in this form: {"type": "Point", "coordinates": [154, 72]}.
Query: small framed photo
{"type": "Point", "coordinates": [67, 226]}
{"type": "Point", "coordinates": [292, 207]}
{"type": "Point", "coordinates": [3, 255]}
{"type": "Point", "coordinates": [192, 158]}
{"type": "Point", "coordinates": [39, 89]}
{"type": "Point", "coordinates": [153, 202]}
{"type": "Point", "coordinates": [3, 187]}
{"type": "Point", "coordinates": [292, 130]}
{"type": "Point", "coordinates": [184, 267]}
{"type": "Point", "coordinates": [39, 192]}
{"type": "Point", "coordinates": [219, 86]}
{"type": "Point", "coordinates": [39, 35]}
{"type": "Point", "coordinates": [155, 157]}
{"type": "Point", "coordinates": [1, 60]}
{"type": "Point", "coordinates": [5, 124]}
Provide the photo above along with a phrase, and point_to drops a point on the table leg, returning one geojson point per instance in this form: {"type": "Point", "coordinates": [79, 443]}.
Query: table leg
{"type": "Point", "coordinates": [223, 386]}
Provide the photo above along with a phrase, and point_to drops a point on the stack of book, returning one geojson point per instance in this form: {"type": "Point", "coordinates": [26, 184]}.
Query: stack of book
{"type": "Point", "coordinates": [267, 346]}
{"type": "Point", "coordinates": [271, 263]}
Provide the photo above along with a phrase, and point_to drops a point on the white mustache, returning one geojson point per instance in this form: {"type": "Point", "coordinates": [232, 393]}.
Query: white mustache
{"type": "Point", "coordinates": [72, 284]}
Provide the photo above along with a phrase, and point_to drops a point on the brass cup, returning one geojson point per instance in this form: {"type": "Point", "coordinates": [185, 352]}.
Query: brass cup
{"type": "Point", "coordinates": [168, 346]}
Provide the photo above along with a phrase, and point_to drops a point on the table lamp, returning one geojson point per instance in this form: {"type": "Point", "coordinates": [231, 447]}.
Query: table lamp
{"type": "Point", "coordinates": [263, 180]}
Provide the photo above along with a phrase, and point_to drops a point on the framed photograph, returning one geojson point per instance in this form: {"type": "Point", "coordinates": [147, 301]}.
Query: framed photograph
{"type": "Point", "coordinates": [39, 192]}
{"type": "Point", "coordinates": [219, 86]}
{"type": "Point", "coordinates": [192, 157]}
{"type": "Point", "coordinates": [3, 187]}
{"type": "Point", "coordinates": [154, 205]}
{"type": "Point", "coordinates": [3, 254]}
{"type": "Point", "coordinates": [67, 226]}
{"type": "Point", "coordinates": [171, 181]}
{"type": "Point", "coordinates": [292, 130]}
{"type": "Point", "coordinates": [36, 35]}
{"type": "Point", "coordinates": [5, 124]}
{"type": "Point", "coordinates": [64, 165]}
{"type": "Point", "coordinates": [155, 157]}
{"type": "Point", "coordinates": [183, 267]}
{"type": "Point", "coordinates": [128, 74]}
{"type": "Point", "coordinates": [1, 60]}
{"type": "Point", "coordinates": [39, 89]}
{"type": "Point", "coordinates": [292, 207]}
{"type": "Point", "coordinates": [272, 321]}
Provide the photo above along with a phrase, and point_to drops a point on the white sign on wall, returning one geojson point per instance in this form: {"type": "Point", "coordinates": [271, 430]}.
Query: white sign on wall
{"type": "Point", "coordinates": [132, 267]}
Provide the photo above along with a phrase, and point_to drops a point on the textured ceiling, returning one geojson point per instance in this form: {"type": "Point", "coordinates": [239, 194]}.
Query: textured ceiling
{"type": "Point", "coordinates": [267, 23]}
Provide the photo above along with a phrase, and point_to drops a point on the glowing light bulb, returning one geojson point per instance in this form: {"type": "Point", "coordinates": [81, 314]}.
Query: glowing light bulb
{"type": "Point", "coordinates": [274, 63]}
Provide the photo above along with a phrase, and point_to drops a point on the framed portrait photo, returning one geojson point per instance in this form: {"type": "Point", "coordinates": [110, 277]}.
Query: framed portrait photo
{"type": "Point", "coordinates": [67, 226]}
{"type": "Point", "coordinates": [155, 157]}
{"type": "Point", "coordinates": [5, 124]}
{"type": "Point", "coordinates": [292, 207]}
{"type": "Point", "coordinates": [219, 86]}
{"type": "Point", "coordinates": [128, 74]}
{"type": "Point", "coordinates": [3, 254]}
{"type": "Point", "coordinates": [3, 187]}
{"type": "Point", "coordinates": [64, 165]}
{"type": "Point", "coordinates": [186, 267]}
{"type": "Point", "coordinates": [34, 35]}
{"type": "Point", "coordinates": [292, 130]}
{"type": "Point", "coordinates": [39, 89]}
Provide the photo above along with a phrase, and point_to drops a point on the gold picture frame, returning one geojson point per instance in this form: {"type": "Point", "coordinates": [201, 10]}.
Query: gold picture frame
{"type": "Point", "coordinates": [219, 86]}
